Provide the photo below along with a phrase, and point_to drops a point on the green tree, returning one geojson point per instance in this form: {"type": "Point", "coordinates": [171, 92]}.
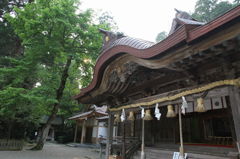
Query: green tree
{"type": "Point", "coordinates": [18, 106]}
{"type": "Point", "coordinates": [9, 42]}
{"type": "Point", "coordinates": [61, 46]}
{"type": "Point", "coordinates": [161, 36]}
{"type": "Point", "coordinates": [18, 102]}
{"type": "Point", "coordinates": [236, 2]}
{"type": "Point", "coordinates": [107, 21]}
{"type": "Point", "coordinates": [17, 93]}
{"type": "Point", "coordinates": [207, 10]}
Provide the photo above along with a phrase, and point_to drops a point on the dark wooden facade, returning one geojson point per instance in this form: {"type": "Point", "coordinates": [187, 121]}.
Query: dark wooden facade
{"type": "Point", "coordinates": [131, 73]}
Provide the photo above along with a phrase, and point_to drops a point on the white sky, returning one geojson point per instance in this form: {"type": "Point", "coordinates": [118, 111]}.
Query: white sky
{"type": "Point", "coordinates": [142, 19]}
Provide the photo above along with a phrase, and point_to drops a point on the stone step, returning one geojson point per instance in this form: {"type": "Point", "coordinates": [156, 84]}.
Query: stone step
{"type": "Point", "coordinates": [165, 154]}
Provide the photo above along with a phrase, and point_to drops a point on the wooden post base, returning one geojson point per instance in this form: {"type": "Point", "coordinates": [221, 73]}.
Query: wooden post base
{"type": "Point", "coordinates": [181, 150]}
{"type": "Point", "coordinates": [143, 156]}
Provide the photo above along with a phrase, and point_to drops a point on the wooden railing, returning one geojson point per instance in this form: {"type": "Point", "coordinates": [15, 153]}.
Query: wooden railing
{"type": "Point", "coordinates": [218, 140]}
{"type": "Point", "coordinates": [122, 148]}
{"type": "Point", "coordinates": [11, 144]}
{"type": "Point", "coordinates": [132, 148]}
{"type": "Point", "coordinates": [131, 145]}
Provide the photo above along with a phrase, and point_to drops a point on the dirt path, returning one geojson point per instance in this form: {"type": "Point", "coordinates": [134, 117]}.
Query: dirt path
{"type": "Point", "coordinates": [52, 151]}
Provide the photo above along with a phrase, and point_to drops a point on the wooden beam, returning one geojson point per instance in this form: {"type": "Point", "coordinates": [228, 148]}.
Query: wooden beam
{"type": "Point", "coordinates": [123, 141]}
{"type": "Point", "coordinates": [235, 106]}
{"type": "Point", "coordinates": [216, 92]}
{"type": "Point", "coordinates": [109, 135]}
{"type": "Point", "coordinates": [83, 132]}
{"type": "Point", "coordinates": [75, 134]}
{"type": "Point", "coordinates": [132, 128]}
{"type": "Point", "coordinates": [143, 156]}
{"type": "Point", "coordinates": [97, 140]}
{"type": "Point", "coordinates": [181, 149]}
{"type": "Point", "coordinates": [221, 91]}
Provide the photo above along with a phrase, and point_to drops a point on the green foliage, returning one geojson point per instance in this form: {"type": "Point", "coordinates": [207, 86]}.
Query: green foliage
{"type": "Point", "coordinates": [236, 2]}
{"type": "Point", "coordinates": [107, 22]}
{"type": "Point", "coordinates": [9, 42]}
{"type": "Point", "coordinates": [49, 32]}
{"type": "Point", "coordinates": [161, 36]}
{"type": "Point", "coordinates": [16, 72]}
{"type": "Point", "coordinates": [16, 104]}
{"type": "Point", "coordinates": [207, 10]}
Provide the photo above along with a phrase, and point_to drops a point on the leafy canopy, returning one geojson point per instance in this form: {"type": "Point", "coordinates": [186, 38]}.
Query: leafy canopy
{"type": "Point", "coordinates": [50, 32]}
{"type": "Point", "coordinates": [161, 36]}
{"type": "Point", "coordinates": [207, 10]}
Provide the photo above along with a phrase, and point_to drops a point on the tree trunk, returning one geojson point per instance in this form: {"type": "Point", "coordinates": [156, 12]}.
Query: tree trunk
{"type": "Point", "coordinates": [59, 93]}
{"type": "Point", "coordinates": [9, 132]}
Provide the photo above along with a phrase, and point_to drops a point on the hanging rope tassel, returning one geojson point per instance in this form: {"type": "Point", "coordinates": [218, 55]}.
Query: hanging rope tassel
{"type": "Point", "coordinates": [200, 105]}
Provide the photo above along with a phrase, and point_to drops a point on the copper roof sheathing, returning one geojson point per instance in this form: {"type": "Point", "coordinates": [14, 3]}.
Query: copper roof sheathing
{"type": "Point", "coordinates": [191, 31]}
{"type": "Point", "coordinates": [131, 42]}
{"type": "Point", "coordinates": [192, 22]}
{"type": "Point", "coordinates": [87, 114]}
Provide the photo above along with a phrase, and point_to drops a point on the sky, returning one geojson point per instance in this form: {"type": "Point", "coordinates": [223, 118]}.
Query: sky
{"type": "Point", "coordinates": [142, 19]}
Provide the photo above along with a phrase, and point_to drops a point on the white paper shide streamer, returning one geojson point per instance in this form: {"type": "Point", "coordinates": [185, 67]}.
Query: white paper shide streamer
{"type": "Point", "coordinates": [123, 115]}
{"type": "Point", "coordinates": [184, 104]}
{"type": "Point", "coordinates": [157, 112]}
{"type": "Point", "coordinates": [142, 112]}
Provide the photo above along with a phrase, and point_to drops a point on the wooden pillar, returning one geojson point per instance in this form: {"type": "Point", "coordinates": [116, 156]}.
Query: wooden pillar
{"type": "Point", "coordinates": [75, 133]}
{"type": "Point", "coordinates": [180, 132]}
{"type": "Point", "coordinates": [235, 106]}
{"type": "Point", "coordinates": [132, 128]}
{"type": "Point", "coordinates": [83, 131]}
{"type": "Point", "coordinates": [97, 140]}
{"type": "Point", "coordinates": [109, 135]}
{"type": "Point", "coordinates": [115, 130]}
{"type": "Point", "coordinates": [143, 143]}
{"type": "Point", "coordinates": [53, 134]}
{"type": "Point", "coordinates": [123, 141]}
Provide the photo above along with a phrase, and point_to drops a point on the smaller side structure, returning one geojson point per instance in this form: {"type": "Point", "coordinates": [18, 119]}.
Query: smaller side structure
{"type": "Point", "coordinates": [88, 128]}
{"type": "Point", "coordinates": [55, 125]}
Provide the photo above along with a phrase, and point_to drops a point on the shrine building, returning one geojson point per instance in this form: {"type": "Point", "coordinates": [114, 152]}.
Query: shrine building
{"type": "Point", "coordinates": [197, 65]}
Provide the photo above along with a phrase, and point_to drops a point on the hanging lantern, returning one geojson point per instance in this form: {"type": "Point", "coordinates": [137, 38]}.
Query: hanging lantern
{"type": "Point", "coordinates": [117, 118]}
{"type": "Point", "coordinates": [131, 116]}
{"type": "Point", "coordinates": [170, 112]}
{"type": "Point", "coordinates": [148, 115]}
{"type": "Point", "coordinates": [200, 105]}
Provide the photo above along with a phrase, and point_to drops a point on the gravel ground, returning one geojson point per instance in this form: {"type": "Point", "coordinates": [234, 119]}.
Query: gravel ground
{"type": "Point", "coordinates": [52, 151]}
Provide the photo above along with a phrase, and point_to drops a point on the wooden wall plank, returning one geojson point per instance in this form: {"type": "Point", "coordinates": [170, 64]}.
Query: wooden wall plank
{"type": "Point", "coordinates": [109, 135]}
{"type": "Point", "coordinates": [235, 106]}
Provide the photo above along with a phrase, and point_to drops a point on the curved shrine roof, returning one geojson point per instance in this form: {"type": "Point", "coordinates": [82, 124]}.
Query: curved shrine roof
{"type": "Point", "coordinates": [185, 32]}
{"type": "Point", "coordinates": [132, 42]}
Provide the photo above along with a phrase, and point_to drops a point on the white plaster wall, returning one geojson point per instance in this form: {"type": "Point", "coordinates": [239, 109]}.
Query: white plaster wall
{"type": "Point", "coordinates": [102, 130]}
{"type": "Point", "coordinates": [94, 133]}
{"type": "Point", "coordinates": [95, 128]}
{"type": "Point", "coordinates": [114, 131]}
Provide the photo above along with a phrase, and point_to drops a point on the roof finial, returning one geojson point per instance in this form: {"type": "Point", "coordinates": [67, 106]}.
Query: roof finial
{"type": "Point", "coordinates": [176, 10]}
{"type": "Point", "coordinates": [109, 37]}
{"type": "Point", "coordinates": [182, 18]}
